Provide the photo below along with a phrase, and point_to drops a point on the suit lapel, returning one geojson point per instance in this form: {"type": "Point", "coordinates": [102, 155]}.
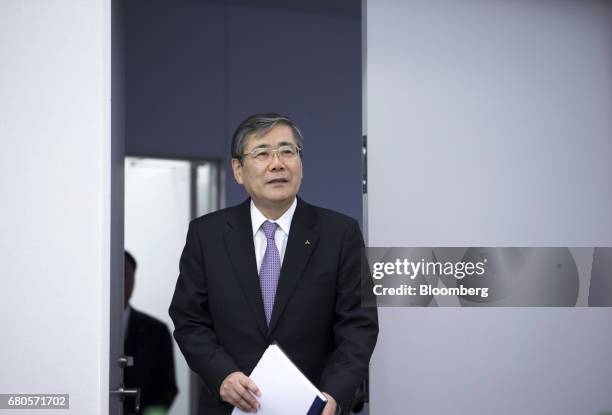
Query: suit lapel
{"type": "Point", "coordinates": [239, 245]}
{"type": "Point", "coordinates": [300, 245]}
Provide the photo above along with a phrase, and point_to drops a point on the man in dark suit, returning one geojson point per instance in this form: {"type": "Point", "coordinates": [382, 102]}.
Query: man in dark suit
{"type": "Point", "coordinates": [148, 341]}
{"type": "Point", "coordinates": [273, 268]}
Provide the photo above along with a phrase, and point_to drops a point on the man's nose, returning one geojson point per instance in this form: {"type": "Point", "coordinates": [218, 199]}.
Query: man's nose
{"type": "Point", "coordinates": [276, 161]}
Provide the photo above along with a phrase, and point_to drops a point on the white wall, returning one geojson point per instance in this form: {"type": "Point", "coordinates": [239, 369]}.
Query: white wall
{"type": "Point", "coordinates": [489, 124]}
{"type": "Point", "coordinates": [55, 208]}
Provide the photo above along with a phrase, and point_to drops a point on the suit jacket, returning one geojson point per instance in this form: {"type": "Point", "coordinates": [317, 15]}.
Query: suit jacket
{"type": "Point", "coordinates": [317, 319]}
{"type": "Point", "coordinates": [148, 341]}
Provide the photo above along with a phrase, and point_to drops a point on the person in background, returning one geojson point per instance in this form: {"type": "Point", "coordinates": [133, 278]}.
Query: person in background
{"type": "Point", "coordinates": [148, 341]}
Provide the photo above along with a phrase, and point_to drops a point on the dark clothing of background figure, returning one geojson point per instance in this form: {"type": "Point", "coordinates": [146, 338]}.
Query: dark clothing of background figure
{"type": "Point", "coordinates": [148, 341]}
{"type": "Point", "coordinates": [317, 317]}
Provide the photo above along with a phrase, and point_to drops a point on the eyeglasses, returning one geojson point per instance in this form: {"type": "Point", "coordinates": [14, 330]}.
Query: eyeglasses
{"type": "Point", "coordinates": [285, 152]}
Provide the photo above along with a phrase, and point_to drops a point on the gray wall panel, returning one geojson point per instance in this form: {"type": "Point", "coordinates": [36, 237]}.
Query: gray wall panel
{"type": "Point", "coordinates": [489, 124]}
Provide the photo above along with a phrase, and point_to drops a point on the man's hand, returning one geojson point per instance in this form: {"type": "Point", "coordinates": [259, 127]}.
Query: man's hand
{"type": "Point", "coordinates": [330, 407]}
{"type": "Point", "coordinates": [238, 389]}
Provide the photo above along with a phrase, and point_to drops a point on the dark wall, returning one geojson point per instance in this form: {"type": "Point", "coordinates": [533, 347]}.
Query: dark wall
{"type": "Point", "coordinates": [195, 69]}
{"type": "Point", "coordinates": [175, 78]}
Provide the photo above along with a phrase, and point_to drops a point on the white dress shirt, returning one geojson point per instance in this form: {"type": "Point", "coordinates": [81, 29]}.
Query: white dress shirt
{"type": "Point", "coordinates": [280, 236]}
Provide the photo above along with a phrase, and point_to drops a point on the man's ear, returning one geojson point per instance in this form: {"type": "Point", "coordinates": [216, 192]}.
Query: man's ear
{"type": "Point", "coordinates": [237, 169]}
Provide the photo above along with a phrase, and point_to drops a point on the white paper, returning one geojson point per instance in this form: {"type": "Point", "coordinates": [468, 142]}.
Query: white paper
{"type": "Point", "coordinates": [284, 389]}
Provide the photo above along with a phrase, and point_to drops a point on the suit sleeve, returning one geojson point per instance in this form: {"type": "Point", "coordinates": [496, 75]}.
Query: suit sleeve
{"type": "Point", "coordinates": [355, 328]}
{"type": "Point", "coordinates": [189, 310]}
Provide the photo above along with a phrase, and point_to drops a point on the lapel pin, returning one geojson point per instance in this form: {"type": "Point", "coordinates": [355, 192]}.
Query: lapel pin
{"type": "Point", "coordinates": [307, 242]}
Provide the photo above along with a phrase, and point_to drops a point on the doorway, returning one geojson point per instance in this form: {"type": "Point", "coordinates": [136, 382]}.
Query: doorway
{"type": "Point", "coordinates": [161, 197]}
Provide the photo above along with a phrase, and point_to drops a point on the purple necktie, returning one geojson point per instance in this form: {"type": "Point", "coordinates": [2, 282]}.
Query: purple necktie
{"type": "Point", "coordinates": [270, 269]}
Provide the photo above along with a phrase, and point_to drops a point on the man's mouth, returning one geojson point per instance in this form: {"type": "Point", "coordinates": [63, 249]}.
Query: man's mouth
{"type": "Point", "coordinates": [280, 180]}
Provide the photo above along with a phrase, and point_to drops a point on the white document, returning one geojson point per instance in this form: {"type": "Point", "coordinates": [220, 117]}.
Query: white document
{"type": "Point", "coordinates": [284, 388]}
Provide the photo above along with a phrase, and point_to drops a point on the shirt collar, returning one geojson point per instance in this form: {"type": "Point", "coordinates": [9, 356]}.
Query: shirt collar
{"type": "Point", "coordinates": [284, 222]}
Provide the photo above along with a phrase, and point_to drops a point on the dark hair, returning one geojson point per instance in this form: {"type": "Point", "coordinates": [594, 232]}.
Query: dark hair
{"type": "Point", "coordinates": [260, 124]}
{"type": "Point", "coordinates": [129, 259]}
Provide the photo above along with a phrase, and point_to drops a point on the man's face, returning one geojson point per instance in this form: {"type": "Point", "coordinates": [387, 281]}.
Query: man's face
{"type": "Point", "coordinates": [275, 182]}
